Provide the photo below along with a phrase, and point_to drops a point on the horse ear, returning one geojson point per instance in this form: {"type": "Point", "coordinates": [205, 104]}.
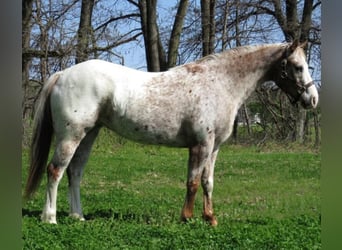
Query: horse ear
{"type": "Point", "coordinates": [303, 44]}
{"type": "Point", "coordinates": [294, 46]}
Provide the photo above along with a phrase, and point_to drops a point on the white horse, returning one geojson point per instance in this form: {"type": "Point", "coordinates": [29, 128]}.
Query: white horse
{"type": "Point", "coordinates": [193, 106]}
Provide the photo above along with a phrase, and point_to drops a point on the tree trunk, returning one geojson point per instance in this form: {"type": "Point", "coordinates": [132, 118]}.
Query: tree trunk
{"type": "Point", "coordinates": [208, 26]}
{"type": "Point", "coordinates": [306, 20]}
{"type": "Point", "coordinates": [176, 33]}
{"type": "Point", "coordinates": [152, 31]}
{"type": "Point", "coordinates": [292, 26]}
{"type": "Point", "coordinates": [301, 116]}
{"type": "Point", "coordinates": [26, 30]}
{"type": "Point", "coordinates": [84, 31]}
{"type": "Point", "coordinates": [245, 112]}
{"type": "Point", "coordinates": [156, 58]}
{"type": "Point", "coordinates": [155, 55]}
{"type": "Point", "coordinates": [212, 27]}
{"type": "Point", "coordinates": [224, 41]}
{"type": "Point", "coordinates": [317, 128]}
{"type": "Point", "coordinates": [143, 21]}
{"type": "Point", "coordinates": [43, 45]}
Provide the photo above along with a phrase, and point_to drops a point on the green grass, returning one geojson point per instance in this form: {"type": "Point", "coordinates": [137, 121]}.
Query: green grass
{"type": "Point", "coordinates": [132, 195]}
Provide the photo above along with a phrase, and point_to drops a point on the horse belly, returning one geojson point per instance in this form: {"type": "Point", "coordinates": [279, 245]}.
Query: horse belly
{"type": "Point", "coordinates": [148, 132]}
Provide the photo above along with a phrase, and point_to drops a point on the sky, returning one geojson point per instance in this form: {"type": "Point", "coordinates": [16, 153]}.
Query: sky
{"type": "Point", "coordinates": [134, 53]}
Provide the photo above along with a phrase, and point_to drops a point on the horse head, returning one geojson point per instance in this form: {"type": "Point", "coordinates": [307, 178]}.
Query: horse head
{"type": "Point", "coordinates": [295, 79]}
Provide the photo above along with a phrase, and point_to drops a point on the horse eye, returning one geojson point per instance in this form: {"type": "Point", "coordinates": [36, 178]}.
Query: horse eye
{"type": "Point", "coordinates": [299, 69]}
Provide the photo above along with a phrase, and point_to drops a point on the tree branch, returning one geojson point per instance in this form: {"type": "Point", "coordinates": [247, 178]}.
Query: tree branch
{"type": "Point", "coordinates": [113, 19]}
{"type": "Point", "coordinates": [32, 53]}
{"type": "Point", "coordinates": [115, 44]}
{"type": "Point", "coordinates": [134, 3]}
{"type": "Point", "coordinates": [316, 5]}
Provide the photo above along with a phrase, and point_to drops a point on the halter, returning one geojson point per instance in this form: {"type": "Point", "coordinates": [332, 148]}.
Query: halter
{"type": "Point", "coordinates": [301, 88]}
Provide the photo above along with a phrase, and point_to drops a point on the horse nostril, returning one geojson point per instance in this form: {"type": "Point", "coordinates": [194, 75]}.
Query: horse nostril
{"type": "Point", "coordinates": [313, 102]}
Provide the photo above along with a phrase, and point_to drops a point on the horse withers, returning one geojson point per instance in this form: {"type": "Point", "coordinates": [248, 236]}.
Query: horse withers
{"type": "Point", "coordinates": [192, 106]}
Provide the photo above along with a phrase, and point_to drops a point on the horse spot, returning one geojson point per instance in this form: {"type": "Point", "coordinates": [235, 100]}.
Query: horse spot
{"type": "Point", "coordinates": [194, 68]}
{"type": "Point", "coordinates": [53, 171]}
{"type": "Point", "coordinates": [165, 96]}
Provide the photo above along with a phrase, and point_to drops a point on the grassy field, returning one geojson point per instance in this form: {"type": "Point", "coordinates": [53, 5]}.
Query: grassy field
{"type": "Point", "coordinates": [132, 196]}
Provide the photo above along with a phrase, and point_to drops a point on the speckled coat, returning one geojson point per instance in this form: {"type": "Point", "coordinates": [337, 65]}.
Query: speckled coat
{"type": "Point", "coordinates": [193, 106]}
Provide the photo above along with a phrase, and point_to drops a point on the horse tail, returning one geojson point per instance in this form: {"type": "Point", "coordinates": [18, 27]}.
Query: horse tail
{"type": "Point", "coordinates": [41, 138]}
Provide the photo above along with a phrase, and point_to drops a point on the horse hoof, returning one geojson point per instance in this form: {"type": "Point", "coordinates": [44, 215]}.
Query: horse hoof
{"type": "Point", "coordinates": [211, 220]}
{"type": "Point", "coordinates": [77, 216]}
{"type": "Point", "coordinates": [49, 218]}
{"type": "Point", "coordinates": [184, 220]}
{"type": "Point", "coordinates": [213, 223]}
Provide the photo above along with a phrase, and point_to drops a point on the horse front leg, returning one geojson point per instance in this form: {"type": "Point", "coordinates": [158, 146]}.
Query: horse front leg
{"type": "Point", "coordinates": [193, 181]}
{"type": "Point", "coordinates": [198, 158]}
{"type": "Point", "coordinates": [208, 186]}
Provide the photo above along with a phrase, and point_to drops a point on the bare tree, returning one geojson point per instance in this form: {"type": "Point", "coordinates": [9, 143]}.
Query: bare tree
{"type": "Point", "coordinates": [156, 57]}
{"type": "Point", "coordinates": [154, 54]}
{"type": "Point", "coordinates": [208, 26]}
{"type": "Point", "coordinates": [84, 31]}
{"type": "Point", "coordinates": [26, 36]}
{"type": "Point", "coordinates": [176, 33]}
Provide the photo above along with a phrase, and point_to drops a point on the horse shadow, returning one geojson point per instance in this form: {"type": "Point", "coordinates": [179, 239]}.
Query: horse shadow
{"type": "Point", "coordinates": [100, 213]}
{"type": "Point", "coordinates": [37, 213]}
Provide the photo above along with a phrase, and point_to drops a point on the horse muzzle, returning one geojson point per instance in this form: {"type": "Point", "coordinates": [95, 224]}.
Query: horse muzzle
{"type": "Point", "coordinates": [309, 97]}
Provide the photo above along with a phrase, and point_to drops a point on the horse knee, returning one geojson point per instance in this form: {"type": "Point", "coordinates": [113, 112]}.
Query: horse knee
{"type": "Point", "coordinates": [192, 186]}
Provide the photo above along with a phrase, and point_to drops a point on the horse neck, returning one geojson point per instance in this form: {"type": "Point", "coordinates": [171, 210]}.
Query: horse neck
{"type": "Point", "coordinates": [243, 69]}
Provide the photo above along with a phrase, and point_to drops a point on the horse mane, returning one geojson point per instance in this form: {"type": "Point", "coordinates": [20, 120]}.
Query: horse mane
{"type": "Point", "coordinates": [241, 50]}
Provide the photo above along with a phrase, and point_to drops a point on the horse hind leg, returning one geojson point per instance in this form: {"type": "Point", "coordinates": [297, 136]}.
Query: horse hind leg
{"type": "Point", "coordinates": [75, 172]}
{"type": "Point", "coordinates": [208, 186]}
{"type": "Point", "coordinates": [65, 150]}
